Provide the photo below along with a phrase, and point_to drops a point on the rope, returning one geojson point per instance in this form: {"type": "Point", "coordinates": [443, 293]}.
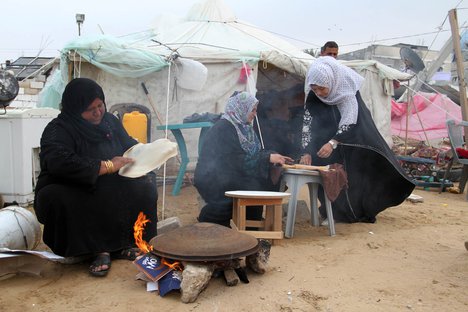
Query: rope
{"type": "Point", "coordinates": [252, 90]}
{"type": "Point", "coordinates": [410, 101]}
{"type": "Point", "coordinates": [259, 131]}
{"type": "Point", "coordinates": [168, 90]}
{"type": "Point", "coordinates": [437, 106]}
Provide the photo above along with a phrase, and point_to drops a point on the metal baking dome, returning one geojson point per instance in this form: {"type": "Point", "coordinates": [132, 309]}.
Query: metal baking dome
{"type": "Point", "coordinates": [204, 242]}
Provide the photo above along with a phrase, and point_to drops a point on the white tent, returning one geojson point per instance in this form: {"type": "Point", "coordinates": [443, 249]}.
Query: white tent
{"type": "Point", "coordinates": [229, 50]}
{"type": "Point", "coordinates": [377, 91]}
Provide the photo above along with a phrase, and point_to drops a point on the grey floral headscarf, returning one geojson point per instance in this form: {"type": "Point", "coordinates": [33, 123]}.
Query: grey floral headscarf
{"type": "Point", "coordinates": [236, 112]}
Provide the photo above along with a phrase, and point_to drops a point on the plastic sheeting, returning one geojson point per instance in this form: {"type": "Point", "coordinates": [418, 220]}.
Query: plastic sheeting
{"type": "Point", "coordinates": [427, 116]}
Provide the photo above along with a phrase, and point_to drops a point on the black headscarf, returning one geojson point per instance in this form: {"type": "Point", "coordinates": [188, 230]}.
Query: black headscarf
{"type": "Point", "coordinates": [78, 95]}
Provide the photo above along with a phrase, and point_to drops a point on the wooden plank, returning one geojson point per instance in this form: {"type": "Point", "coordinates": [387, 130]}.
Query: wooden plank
{"type": "Point", "coordinates": [278, 218]}
{"type": "Point", "coordinates": [265, 234]}
{"type": "Point", "coordinates": [255, 223]}
{"type": "Point", "coordinates": [306, 167]}
{"type": "Point", "coordinates": [242, 218]}
{"type": "Point", "coordinates": [269, 218]}
{"type": "Point", "coordinates": [259, 201]}
{"type": "Point", "coordinates": [233, 225]}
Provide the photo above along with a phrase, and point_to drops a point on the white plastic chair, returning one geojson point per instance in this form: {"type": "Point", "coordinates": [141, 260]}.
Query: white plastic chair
{"type": "Point", "coordinates": [455, 132]}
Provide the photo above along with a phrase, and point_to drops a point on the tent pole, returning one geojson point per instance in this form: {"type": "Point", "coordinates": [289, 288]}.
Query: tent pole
{"type": "Point", "coordinates": [407, 117]}
{"type": "Point", "coordinates": [460, 67]}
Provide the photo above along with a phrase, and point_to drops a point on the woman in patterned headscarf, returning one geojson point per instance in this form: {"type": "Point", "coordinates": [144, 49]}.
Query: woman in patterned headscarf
{"type": "Point", "coordinates": [232, 158]}
{"type": "Point", "coordinates": [338, 128]}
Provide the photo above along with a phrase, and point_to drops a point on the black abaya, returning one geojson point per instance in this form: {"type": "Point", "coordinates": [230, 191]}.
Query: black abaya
{"type": "Point", "coordinates": [376, 180]}
{"type": "Point", "coordinates": [224, 166]}
{"type": "Point", "coordinates": [82, 212]}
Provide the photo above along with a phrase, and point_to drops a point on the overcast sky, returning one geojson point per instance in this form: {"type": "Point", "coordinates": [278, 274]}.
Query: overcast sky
{"type": "Point", "coordinates": [29, 26]}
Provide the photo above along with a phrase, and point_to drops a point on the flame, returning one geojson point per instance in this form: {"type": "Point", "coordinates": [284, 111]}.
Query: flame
{"type": "Point", "coordinates": [138, 229]}
{"type": "Point", "coordinates": [175, 265]}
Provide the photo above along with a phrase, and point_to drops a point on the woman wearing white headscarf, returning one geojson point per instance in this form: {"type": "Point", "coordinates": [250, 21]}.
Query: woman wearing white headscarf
{"type": "Point", "coordinates": [232, 158]}
{"type": "Point", "coordinates": [338, 128]}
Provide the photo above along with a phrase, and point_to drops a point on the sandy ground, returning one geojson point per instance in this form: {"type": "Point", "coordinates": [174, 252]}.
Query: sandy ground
{"type": "Point", "coordinates": [412, 259]}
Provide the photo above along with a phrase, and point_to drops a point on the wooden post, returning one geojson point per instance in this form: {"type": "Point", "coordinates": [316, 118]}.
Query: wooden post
{"type": "Point", "coordinates": [460, 67]}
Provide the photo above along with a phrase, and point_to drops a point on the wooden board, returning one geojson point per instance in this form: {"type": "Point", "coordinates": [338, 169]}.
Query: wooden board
{"type": "Point", "coordinates": [256, 194]}
{"type": "Point", "coordinates": [306, 167]}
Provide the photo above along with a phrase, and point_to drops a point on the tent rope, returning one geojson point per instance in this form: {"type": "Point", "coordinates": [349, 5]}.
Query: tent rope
{"type": "Point", "coordinates": [168, 90]}
{"type": "Point", "coordinates": [435, 105]}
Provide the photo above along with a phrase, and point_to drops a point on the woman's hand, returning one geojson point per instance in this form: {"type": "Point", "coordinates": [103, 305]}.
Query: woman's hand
{"type": "Point", "coordinates": [113, 165]}
{"type": "Point", "coordinates": [325, 151]}
{"type": "Point", "coordinates": [306, 159]}
{"type": "Point", "coordinates": [120, 161]}
{"type": "Point", "coordinates": [280, 159]}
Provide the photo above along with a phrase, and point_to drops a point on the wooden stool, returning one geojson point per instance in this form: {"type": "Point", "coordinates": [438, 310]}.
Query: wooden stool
{"type": "Point", "coordinates": [272, 226]}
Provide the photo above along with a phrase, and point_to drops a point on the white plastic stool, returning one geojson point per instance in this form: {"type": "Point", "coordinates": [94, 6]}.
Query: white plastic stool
{"type": "Point", "coordinates": [295, 179]}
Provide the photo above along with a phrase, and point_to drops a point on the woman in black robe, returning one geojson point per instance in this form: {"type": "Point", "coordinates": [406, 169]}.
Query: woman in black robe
{"type": "Point", "coordinates": [232, 158]}
{"type": "Point", "coordinates": [86, 207]}
{"type": "Point", "coordinates": [338, 128]}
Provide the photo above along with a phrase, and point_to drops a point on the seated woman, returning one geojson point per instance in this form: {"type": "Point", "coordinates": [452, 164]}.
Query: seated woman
{"type": "Point", "coordinates": [86, 207]}
{"type": "Point", "coordinates": [232, 158]}
{"type": "Point", "coordinates": [338, 128]}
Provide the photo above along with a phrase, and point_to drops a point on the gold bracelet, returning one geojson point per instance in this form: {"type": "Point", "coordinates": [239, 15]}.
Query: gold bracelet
{"type": "Point", "coordinates": [111, 167]}
{"type": "Point", "coordinates": [107, 166]}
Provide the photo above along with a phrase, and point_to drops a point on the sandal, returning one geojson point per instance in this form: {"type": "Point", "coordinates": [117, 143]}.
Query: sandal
{"type": "Point", "coordinates": [96, 267]}
{"type": "Point", "coordinates": [127, 254]}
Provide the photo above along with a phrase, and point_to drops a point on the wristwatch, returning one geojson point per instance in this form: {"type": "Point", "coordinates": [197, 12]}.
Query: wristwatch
{"type": "Point", "coordinates": [333, 143]}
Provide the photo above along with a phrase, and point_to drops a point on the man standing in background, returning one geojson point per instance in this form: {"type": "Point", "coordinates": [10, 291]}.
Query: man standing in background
{"type": "Point", "coordinates": [330, 48]}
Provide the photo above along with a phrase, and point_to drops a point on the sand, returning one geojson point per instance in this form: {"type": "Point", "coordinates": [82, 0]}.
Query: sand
{"type": "Point", "coordinates": [412, 259]}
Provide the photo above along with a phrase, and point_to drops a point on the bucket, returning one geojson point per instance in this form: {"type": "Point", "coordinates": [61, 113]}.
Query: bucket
{"type": "Point", "coordinates": [19, 228]}
{"type": "Point", "coordinates": [136, 125]}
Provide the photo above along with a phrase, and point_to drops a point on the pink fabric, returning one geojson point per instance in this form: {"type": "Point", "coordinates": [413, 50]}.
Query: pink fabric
{"type": "Point", "coordinates": [433, 112]}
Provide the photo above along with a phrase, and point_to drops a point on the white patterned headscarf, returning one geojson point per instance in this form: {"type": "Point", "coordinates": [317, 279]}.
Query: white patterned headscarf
{"type": "Point", "coordinates": [237, 110]}
{"type": "Point", "coordinates": [343, 84]}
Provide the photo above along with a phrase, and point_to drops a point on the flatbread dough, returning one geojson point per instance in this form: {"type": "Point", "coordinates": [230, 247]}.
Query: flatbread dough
{"type": "Point", "coordinates": [148, 157]}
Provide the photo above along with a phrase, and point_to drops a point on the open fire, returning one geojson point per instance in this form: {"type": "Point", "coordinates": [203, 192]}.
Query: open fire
{"type": "Point", "coordinates": [138, 230]}
{"type": "Point", "coordinates": [197, 253]}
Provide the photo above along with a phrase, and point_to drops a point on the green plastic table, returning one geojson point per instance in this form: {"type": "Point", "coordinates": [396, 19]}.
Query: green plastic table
{"type": "Point", "coordinates": [176, 130]}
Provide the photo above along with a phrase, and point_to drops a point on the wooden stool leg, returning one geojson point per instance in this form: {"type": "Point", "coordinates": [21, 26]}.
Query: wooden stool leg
{"type": "Point", "coordinates": [269, 218]}
{"type": "Point", "coordinates": [242, 217]}
{"type": "Point", "coordinates": [235, 212]}
{"type": "Point", "coordinates": [269, 228]}
{"type": "Point", "coordinates": [278, 225]}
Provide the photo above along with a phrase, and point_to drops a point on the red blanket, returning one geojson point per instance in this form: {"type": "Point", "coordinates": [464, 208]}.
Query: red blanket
{"type": "Point", "coordinates": [462, 153]}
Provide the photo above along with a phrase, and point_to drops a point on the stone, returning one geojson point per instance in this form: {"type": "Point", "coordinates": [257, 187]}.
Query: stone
{"type": "Point", "coordinates": [195, 278]}
{"type": "Point", "coordinates": [258, 262]}
{"type": "Point", "coordinates": [168, 225]}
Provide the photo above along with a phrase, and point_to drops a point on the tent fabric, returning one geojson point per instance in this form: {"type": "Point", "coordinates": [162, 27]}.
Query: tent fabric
{"type": "Point", "coordinates": [426, 121]}
{"type": "Point", "coordinates": [116, 56]}
{"type": "Point", "coordinates": [211, 34]}
{"type": "Point", "coordinates": [377, 91]}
